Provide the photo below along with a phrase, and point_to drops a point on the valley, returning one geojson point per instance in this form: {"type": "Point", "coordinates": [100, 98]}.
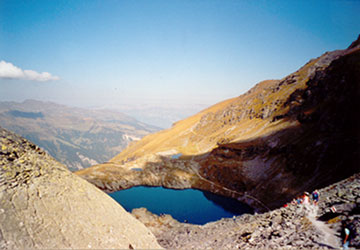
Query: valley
{"type": "Point", "coordinates": [76, 137]}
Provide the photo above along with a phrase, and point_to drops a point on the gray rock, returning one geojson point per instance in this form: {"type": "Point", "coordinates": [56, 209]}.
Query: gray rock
{"type": "Point", "coordinates": [44, 205]}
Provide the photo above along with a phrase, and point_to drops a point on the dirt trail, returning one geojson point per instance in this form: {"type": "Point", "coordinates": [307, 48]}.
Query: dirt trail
{"type": "Point", "coordinates": [330, 238]}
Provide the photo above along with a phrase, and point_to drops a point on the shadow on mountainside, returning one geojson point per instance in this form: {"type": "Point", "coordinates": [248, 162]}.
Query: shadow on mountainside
{"type": "Point", "coordinates": [321, 149]}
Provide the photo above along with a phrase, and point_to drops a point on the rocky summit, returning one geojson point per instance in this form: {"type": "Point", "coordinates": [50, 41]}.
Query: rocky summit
{"type": "Point", "coordinates": [264, 147]}
{"type": "Point", "coordinates": [43, 205]}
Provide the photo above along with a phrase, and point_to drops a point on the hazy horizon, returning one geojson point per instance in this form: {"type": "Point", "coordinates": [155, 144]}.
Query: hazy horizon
{"type": "Point", "coordinates": [154, 114]}
{"type": "Point", "coordinates": [167, 53]}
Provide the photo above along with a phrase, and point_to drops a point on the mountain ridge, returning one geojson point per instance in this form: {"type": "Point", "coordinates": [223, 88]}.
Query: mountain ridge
{"type": "Point", "coordinates": [77, 137]}
{"type": "Point", "coordinates": [264, 147]}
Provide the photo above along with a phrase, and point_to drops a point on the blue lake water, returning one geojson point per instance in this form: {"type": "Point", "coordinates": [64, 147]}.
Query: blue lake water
{"type": "Point", "coordinates": [189, 205]}
{"type": "Point", "coordinates": [176, 156]}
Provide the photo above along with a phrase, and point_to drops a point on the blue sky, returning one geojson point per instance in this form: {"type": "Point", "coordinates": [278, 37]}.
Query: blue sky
{"type": "Point", "coordinates": [181, 52]}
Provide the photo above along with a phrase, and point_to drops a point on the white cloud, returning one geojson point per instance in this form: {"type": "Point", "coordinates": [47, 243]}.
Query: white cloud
{"type": "Point", "coordinates": [10, 71]}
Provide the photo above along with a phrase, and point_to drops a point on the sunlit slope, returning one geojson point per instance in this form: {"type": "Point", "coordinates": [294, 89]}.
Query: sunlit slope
{"type": "Point", "coordinates": [264, 147]}
{"type": "Point", "coordinates": [178, 135]}
{"type": "Point", "coordinates": [247, 116]}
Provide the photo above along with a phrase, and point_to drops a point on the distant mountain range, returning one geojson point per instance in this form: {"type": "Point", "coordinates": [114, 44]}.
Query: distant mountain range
{"type": "Point", "coordinates": [76, 137]}
{"type": "Point", "coordinates": [160, 115]}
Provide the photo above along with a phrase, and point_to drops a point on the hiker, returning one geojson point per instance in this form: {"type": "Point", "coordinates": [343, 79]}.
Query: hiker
{"type": "Point", "coordinates": [345, 234]}
{"type": "Point", "coordinates": [299, 200]}
{"type": "Point", "coordinates": [315, 197]}
{"type": "Point", "coordinates": [306, 199]}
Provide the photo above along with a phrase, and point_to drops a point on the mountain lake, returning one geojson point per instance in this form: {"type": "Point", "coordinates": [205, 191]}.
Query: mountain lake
{"type": "Point", "coordinates": [188, 205]}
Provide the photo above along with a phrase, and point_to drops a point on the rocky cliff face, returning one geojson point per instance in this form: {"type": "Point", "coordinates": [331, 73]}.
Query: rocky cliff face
{"type": "Point", "coordinates": [44, 205]}
{"type": "Point", "coordinates": [265, 147]}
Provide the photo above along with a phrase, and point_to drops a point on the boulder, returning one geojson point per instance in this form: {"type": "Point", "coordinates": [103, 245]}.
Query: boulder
{"type": "Point", "coordinates": [44, 205]}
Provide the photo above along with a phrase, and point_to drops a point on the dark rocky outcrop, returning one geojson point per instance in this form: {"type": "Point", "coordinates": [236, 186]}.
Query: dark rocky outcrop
{"type": "Point", "coordinates": [44, 205]}
{"type": "Point", "coordinates": [322, 145]}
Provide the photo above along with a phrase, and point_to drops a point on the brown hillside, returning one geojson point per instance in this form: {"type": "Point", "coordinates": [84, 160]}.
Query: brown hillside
{"type": "Point", "coordinates": [263, 147]}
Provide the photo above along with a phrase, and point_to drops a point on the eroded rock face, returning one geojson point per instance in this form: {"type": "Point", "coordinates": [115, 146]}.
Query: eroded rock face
{"type": "Point", "coordinates": [44, 205]}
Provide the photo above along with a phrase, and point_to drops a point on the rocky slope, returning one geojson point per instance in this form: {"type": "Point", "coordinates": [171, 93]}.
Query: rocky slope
{"type": "Point", "coordinates": [264, 147]}
{"type": "Point", "coordinates": [291, 227]}
{"type": "Point", "coordinates": [43, 205]}
{"type": "Point", "coordinates": [76, 137]}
